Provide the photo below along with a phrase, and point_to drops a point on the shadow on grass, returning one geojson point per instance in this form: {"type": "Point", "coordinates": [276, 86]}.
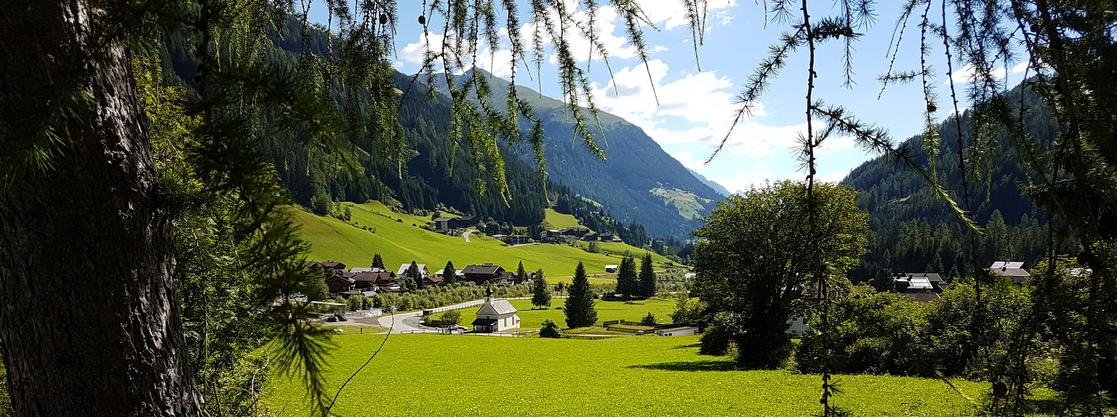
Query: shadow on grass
{"type": "Point", "coordinates": [690, 366]}
{"type": "Point", "coordinates": [686, 346]}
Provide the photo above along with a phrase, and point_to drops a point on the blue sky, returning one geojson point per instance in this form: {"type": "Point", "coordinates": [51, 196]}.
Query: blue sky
{"type": "Point", "coordinates": [696, 107]}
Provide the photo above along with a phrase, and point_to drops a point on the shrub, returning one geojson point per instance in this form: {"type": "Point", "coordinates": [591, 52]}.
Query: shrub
{"type": "Point", "coordinates": [648, 320]}
{"type": "Point", "coordinates": [715, 341]}
{"type": "Point", "coordinates": [550, 330]}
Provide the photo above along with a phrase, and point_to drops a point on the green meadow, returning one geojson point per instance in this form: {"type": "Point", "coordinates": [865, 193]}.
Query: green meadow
{"type": "Point", "coordinates": [463, 375]}
{"type": "Point", "coordinates": [606, 311]}
{"type": "Point", "coordinates": [560, 220]}
{"type": "Point", "coordinates": [399, 239]}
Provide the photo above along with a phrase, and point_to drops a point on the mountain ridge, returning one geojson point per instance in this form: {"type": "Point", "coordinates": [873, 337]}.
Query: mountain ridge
{"type": "Point", "coordinates": [630, 181]}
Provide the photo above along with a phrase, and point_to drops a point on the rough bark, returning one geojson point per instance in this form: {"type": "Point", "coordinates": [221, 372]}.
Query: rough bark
{"type": "Point", "coordinates": [88, 322]}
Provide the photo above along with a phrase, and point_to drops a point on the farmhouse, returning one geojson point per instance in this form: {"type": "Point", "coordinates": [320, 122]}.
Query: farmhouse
{"type": "Point", "coordinates": [340, 282]}
{"type": "Point", "coordinates": [917, 282]}
{"type": "Point", "coordinates": [495, 315]}
{"type": "Point", "coordinates": [574, 232]}
{"type": "Point", "coordinates": [482, 273]}
{"type": "Point", "coordinates": [372, 278]}
{"type": "Point", "coordinates": [423, 272]}
{"type": "Point", "coordinates": [1013, 270]}
{"type": "Point", "coordinates": [919, 287]}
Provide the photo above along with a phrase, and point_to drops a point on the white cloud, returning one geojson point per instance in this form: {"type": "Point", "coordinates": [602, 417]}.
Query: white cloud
{"type": "Point", "coordinates": [670, 14]}
{"type": "Point", "coordinates": [743, 180]}
{"type": "Point", "coordinates": [497, 62]}
{"type": "Point", "coordinates": [965, 75]}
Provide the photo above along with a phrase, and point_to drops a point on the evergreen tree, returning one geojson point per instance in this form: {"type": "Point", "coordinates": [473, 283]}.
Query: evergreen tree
{"type": "Point", "coordinates": [413, 274]}
{"type": "Point", "coordinates": [540, 292]}
{"type": "Point", "coordinates": [449, 274]}
{"type": "Point", "coordinates": [626, 278]}
{"type": "Point", "coordinates": [579, 301]}
{"type": "Point", "coordinates": [521, 275]}
{"type": "Point", "coordinates": [377, 261]}
{"type": "Point", "coordinates": [647, 277]}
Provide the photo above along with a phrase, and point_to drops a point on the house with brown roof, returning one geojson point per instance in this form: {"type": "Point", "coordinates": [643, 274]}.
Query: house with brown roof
{"type": "Point", "coordinates": [483, 273]}
{"type": "Point", "coordinates": [340, 282]}
{"type": "Point", "coordinates": [373, 278]}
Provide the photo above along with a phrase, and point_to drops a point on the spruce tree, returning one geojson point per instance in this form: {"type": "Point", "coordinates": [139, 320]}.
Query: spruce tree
{"type": "Point", "coordinates": [413, 273]}
{"type": "Point", "coordinates": [521, 275]}
{"type": "Point", "coordinates": [449, 274]}
{"type": "Point", "coordinates": [579, 301]}
{"type": "Point", "coordinates": [626, 278]}
{"type": "Point", "coordinates": [377, 261]}
{"type": "Point", "coordinates": [647, 277]}
{"type": "Point", "coordinates": [540, 292]}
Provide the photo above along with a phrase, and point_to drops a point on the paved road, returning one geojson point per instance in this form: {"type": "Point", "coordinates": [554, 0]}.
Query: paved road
{"type": "Point", "coordinates": [408, 322]}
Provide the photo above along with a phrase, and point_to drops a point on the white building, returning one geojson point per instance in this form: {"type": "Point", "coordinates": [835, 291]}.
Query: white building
{"type": "Point", "coordinates": [677, 331]}
{"type": "Point", "coordinates": [495, 315]}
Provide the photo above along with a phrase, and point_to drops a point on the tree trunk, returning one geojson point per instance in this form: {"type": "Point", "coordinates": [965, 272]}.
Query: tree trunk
{"type": "Point", "coordinates": [88, 322]}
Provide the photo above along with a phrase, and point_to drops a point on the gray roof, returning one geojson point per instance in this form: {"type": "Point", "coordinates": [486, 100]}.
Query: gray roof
{"type": "Point", "coordinates": [482, 269]}
{"type": "Point", "coordinates": [497, 307]}
{"type": "Point", "coordinates": [931, 277]}
{"type": "Point", "coordinates": [1007, 265]}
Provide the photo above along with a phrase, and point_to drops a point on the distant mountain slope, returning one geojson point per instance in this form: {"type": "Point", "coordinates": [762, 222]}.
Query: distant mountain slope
{"type": "Point", "coordinates": [915, 231]}
{"type": "Point", "coordinates": [713, 184]}
{"type": "Point", "coordinates": [399, 239]}
{"type": "Point", "coordinates": [638, 182]}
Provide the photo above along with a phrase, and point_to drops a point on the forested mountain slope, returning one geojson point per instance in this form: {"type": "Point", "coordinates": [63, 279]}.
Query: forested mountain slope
{"type": "Point", "coordinates": [638, 182]}
{"type": "Point", "coordinates": [915, 231]}
{"type": "Point", "coordinates": [428, 174]}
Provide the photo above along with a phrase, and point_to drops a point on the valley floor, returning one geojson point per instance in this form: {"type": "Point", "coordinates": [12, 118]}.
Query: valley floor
{"type": "Point", "coordinates": [463, 375]}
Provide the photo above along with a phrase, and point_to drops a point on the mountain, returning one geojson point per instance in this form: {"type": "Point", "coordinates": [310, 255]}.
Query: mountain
{"type": "Point", "coordinates": [914, 231]}
{"type": "Point", "coordinates": [638, 182]}
{"type": "Point", "coordinates": [431, 174]}
{"type": "Point", "coordinates": [713, 184]}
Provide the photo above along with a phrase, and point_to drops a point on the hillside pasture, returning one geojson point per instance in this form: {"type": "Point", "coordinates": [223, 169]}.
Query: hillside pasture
{"type": "Point", "coordinates": [462, 375]}
{"type": "Point", "coordinates": [560, 220]}
{"type": "Point", "coordinates": [399, 238]}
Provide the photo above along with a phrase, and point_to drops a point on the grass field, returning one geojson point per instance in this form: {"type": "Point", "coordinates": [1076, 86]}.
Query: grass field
{"type": "Point", "coordinates": [399, 239]}
{"type": "Point", "coordinates": [455, 375]}
{"type": "Point", "coordinates": [560, 220]}
{"type": "Point", "coordinates": [606, 311]}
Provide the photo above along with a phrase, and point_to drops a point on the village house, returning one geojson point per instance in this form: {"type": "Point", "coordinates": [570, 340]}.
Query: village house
{"type": "Point", "coordinates": [495, 315]}
{"type": "Point", "coordinates": [453, 225]}
{"type": "Point", "coordinates": [919, 287]}
{"type": "Point", "coordinates": [1013, 270]}
{"type": "Point", "coordinates": [574, 232]}
{"type": "Point", "coordinates": [340, 282]}
{"type": "Point", "coordinates": [483, 273]}
{"type": "Point", "coordinates": [441, 274]}
{"type": "Point", "coordinates": [372, 278]}
{"type": "Point", "coordinates": [402, 271]}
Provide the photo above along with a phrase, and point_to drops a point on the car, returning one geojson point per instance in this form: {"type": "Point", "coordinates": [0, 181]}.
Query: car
{"type": "Point", "coordinates": [458, 328]}
{"type": "Point", "coordinates": [340, 317]}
